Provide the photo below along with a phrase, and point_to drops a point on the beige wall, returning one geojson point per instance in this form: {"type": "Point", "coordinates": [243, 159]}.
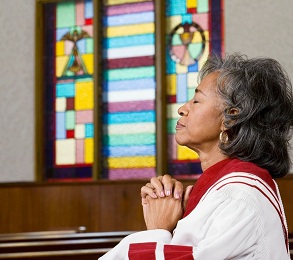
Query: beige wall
{"type": "Point", "coordinates": [261, 28]}
{"type": "Point", "coordinates": [17, 90]}
{"type": "Point", "coordinates": [257, 28]}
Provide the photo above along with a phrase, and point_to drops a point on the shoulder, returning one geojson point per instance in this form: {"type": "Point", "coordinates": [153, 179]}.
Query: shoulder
{"type": "Point", "coordinates": [245, 185]}
{"type": "Point", "coordinates": [239, 166]}
{"type": "Point", "coordinates": [253, 193]}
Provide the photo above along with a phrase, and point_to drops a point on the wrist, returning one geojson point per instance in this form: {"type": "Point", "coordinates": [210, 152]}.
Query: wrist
{"type": "Point", "coordinates": [160, 226]}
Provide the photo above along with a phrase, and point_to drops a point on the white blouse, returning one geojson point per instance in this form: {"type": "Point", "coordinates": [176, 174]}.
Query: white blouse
{"type": "Point", "coordinates": [239, 217]}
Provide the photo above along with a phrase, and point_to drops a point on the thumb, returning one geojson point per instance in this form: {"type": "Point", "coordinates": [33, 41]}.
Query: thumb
{"type": "Point", "coordinates": [186, 196]}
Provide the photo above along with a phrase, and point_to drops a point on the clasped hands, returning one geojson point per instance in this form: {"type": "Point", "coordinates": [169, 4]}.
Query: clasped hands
{"type": "Point", "coordinates": [164, 201]}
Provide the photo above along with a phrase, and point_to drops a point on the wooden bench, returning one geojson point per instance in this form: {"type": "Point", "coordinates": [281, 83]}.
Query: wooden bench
{"type": "Point", "coordinates": [59, 235]}
{"type": "Point", "coordinates": [68, 245]}
{"type": "Point", "coordinates": [58, 245]}
{"type": "Point", "coordinates": [82, 254]}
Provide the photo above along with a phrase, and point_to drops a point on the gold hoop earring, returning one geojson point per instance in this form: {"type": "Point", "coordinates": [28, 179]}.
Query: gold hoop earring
{"type": "Point", "coordinates": [224, 138]}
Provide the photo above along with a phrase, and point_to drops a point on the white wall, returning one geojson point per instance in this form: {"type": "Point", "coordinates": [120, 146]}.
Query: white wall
{"type": "Point", "coordinates": [256, 28]}
{"type": "Point", "coordinates": [261, 28]}
{"type": "Point", "coordinates": [17, 47]}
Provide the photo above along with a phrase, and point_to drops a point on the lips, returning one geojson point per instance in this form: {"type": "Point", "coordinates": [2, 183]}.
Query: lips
{"type": "Point", "coordinates": [179, 125]}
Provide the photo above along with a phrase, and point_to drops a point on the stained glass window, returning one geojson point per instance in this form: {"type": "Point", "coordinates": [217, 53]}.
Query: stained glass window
{"type": "Point", "coordinates": [129, 89]}
{"type": "Point", "coordinates": [191, 37]}
{"type": "Point", "coordinates": [69, 89]}
{"type": "Point", "coordinates": [125, 116]}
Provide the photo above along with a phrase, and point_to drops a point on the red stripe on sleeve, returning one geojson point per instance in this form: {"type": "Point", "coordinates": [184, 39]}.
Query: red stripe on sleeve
{"type": "Point", "coordinates": [142, 251]}
{"type": "Point", "coordinates": [172, 252]}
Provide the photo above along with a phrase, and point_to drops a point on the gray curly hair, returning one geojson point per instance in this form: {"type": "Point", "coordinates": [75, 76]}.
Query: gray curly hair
{"type": "Point", "coordinates": [259, 93]}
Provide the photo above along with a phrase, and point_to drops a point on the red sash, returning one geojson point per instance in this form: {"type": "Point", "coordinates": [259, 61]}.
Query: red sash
{"type": "Point", "coordinates": [211, 175]}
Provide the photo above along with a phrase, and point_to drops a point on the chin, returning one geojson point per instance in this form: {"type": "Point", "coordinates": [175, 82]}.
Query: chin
{"type": "Point", "coordinates": [180, 141]}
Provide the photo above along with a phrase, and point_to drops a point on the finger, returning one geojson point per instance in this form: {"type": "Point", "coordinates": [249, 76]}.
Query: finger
{"type": "Point", "coordinates": [149, 185]}
{"type": "Point", "coordinates": [143, 201]}
{"type": "Point", "coordinates": [156, 182]}
{"type": "Point", "coordinates": [168, 184]}
{"type": "Point", "coordinates": [144, 191]}
{"type": "Point", "coordinates": [178, 189]}
{"type": "Point", "coordinates": [186, 195]}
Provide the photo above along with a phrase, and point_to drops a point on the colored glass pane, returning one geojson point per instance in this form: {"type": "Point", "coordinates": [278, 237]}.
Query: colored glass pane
{"type": "Point", "coordinates": [69, 89]}
{"type": "Point", "coordinates": [191, 33]}
{"type": "Point", "coordinates": [129, 90]}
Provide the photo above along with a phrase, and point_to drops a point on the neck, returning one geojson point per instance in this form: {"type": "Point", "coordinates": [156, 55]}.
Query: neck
{"type": "Point", "coordinates": [210, 158]}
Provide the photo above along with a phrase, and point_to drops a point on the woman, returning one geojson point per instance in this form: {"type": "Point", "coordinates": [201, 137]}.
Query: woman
{"type": "Point", "coordinates": [239, 123]}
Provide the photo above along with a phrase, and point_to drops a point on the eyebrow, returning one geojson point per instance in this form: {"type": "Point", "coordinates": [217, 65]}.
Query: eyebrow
{"type": "Point", "coordinates": [199, 91]}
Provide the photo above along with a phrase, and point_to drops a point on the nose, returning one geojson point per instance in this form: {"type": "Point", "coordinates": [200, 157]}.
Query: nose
{"type": "Point", "coordinates": [183, 111]}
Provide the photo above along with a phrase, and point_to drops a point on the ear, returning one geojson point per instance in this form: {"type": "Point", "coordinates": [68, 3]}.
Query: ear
{"type": "Point", "coordinates": [233, 111]}
{"type": "Point", "coordinates": [223, 127]}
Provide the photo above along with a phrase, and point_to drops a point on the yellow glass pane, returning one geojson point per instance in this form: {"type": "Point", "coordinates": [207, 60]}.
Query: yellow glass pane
{"type": "Point", "coordinates": [84, 98]}
{"type": "Point", "coordinates": [132, 162]}
{"type": "Point", "coordinates": [191, 3]}
{"type": "Point", "coordinates": [89, 150]}
{"type": "Point", "coordinates": [171, 84]}
{"type": "Point", "coordinates": [197, 37]}
{"type": "Point", "coordinates": [185, 153]}
{"type": "Point", "coordinates": [117, 31]}
{"type": "Point", "coordinates": [118, 2]}
{"type": "Point", "coordinates": [61, 62]}
{"type": "Point", "coordinates": [60, 48]}
{"type": "Point", "coordinates": [88, 60]}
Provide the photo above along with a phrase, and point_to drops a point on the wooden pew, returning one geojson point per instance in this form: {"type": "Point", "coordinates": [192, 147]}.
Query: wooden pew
{"type": "Point", "coordinates": [54, 246]}
{"type": "Point", "coordinates": [31, 236]}
{"type": "Point", "coordinates": [59, 235]}
{"type": "Point", "coordinates": [83, 254]}
{"type": "Point", "coordinates": [58, 245]}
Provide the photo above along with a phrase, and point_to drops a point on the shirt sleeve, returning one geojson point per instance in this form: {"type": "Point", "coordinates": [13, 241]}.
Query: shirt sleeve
{"type": "Point", "coordinates": [144, 238]}
{"type": "Point", "coordinates": [220, 227]}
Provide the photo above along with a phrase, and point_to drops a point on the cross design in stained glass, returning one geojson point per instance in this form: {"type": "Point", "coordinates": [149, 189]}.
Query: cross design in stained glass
{"type": "Point", "coordinates": [187, 43]}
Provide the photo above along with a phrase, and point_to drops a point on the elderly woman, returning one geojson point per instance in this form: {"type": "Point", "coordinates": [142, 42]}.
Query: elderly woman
{"type": "Point", "coordinates": [238, 122]}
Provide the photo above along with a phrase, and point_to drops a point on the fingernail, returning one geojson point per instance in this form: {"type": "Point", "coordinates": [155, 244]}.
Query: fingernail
{"type": "Point", "coordinates": [162, 194]}
{"type": "Point", "coordinates": [168, 192]}
{"type": "Point", "coordinates": [177, 196]}
{"type": "Point", "coordinates": [154, 195]}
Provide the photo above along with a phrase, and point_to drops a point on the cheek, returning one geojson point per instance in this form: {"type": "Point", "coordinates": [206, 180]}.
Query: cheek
{"type": "Point", "coordinates": [205, 121]}
{"type": "Point", "coordinates": [200, 117]}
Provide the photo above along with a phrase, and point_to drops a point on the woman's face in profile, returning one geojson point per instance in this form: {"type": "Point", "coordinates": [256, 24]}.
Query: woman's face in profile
{"type": "Point", "coordinates": [201, 117]}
